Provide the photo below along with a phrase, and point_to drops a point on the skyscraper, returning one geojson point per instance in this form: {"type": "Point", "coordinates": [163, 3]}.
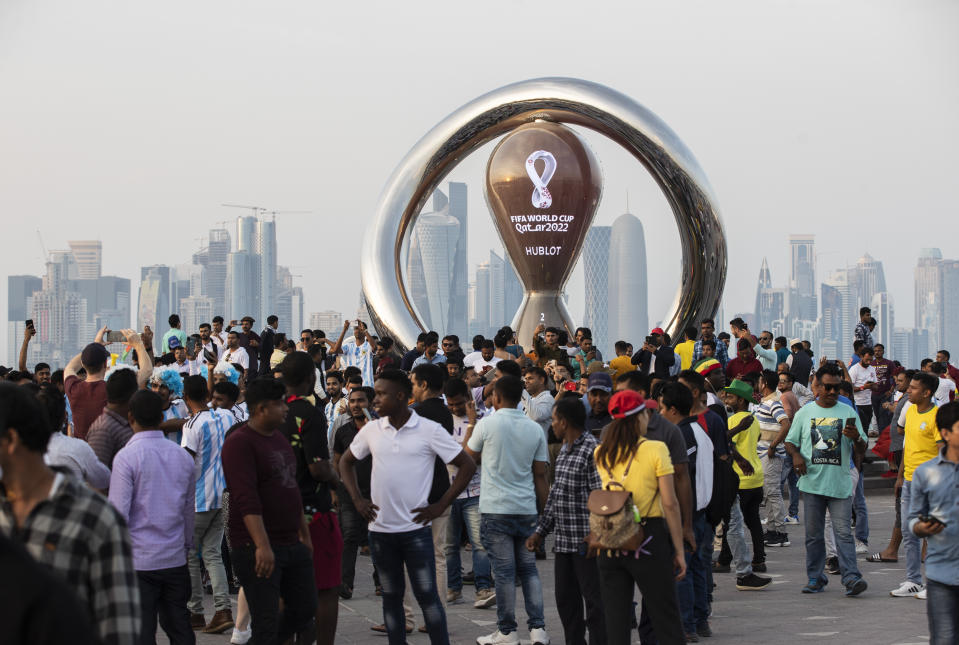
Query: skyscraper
{"type": "Point", "coordinates": [949, 330]}
{"type": "Point", "coordinates": [459, 283]}
{"type": "Point", "coordinates": [88, 255]}
{"type": "Point", "coordinates": [213, 259]}
{"type": "Point", "coordinates": [266, 249]}
{"type": "Point", "coordinates": [844, 312]}
{"type": "Point", "coordinates": [153, 306]}
{"type": "Point", "coordinates": [596, 278]}
{"type": "Point", "coordinates": [832, 320]}
{"type": "Point", "coordinates": [770, 302]}
{"type": "Point", "coordinates": [481, 303]}
{"type": "Point", "coordinates": [243, 282]}
{"type": "Point", "coordinates": [802, 277]}
{"type": "Point", "coordinates": [329, 321]}
{"type": "Point", "coordinates": [59, 313]}
{"type": "Point", "coordinates": [505, 292]}
{"type": "Point", "coordinates": [628, 304]}
{"type": "Point", "coordinates": [297, 309]}
{"type": "Point", "coordinates": [497, 294]}
{"type": "Point", "coordinates": [869, 279]}
{"type": "Point", "coordinates": [884, 313]}
{"type": "Point", "coordinates": [19, 290]}
{"type": "Point", "coordinates": [928, 292]}
{"type": "Point", "coordinates": [195, 310]}
{"type": "Point", "coordinates": [431, 264]}
{"type": "Point", "coordinates": [937, 299]}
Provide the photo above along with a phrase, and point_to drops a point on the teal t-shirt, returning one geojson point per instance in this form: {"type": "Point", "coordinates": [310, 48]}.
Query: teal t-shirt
{"type": "Point", "coordinates": [509, 442]}
{"type": "Point", "coordinates": [179, 334]}
{"type": "Point", "coordinates": [817, 432]}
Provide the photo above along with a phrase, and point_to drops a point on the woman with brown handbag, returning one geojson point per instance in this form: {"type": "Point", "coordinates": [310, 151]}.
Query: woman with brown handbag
{"type": "Point", "coordinates": [642, 467]}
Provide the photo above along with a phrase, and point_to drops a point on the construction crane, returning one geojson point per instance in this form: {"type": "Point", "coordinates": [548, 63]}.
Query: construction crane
{"type": "Point", "coordinates": [46, 256]}
{"type": "Point", "coordinates": [275, 213]}
{"type": "Point", "coordinates": [257, 210]}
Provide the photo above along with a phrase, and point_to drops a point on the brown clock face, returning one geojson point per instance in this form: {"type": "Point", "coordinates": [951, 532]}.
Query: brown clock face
{"type": "Point", "coordinates": [543, 185]}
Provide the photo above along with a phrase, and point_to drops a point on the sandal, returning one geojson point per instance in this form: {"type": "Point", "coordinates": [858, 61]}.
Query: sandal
{"type": "Point", "coordinates": [877, 557]}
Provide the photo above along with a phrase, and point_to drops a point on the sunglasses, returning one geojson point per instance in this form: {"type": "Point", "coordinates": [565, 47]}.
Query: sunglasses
{"type": "Point", "coordinates": [830, 387]}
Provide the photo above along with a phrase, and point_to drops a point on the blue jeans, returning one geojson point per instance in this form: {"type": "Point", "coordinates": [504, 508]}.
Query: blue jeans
{"type": "Point", "coordinates": [390, 552]}
{"type": "Point", "coordinates": [943, 612]}
{"type": "Point", "coordinates": [790, 478]}
{"type": "Point", "coordinates": [739, 546]}
{"type": "Point", "coordinates": [504, 537]}
{"type": "Point", "coordinates": [862, 513]}
{"type": "Point", "coordinates": [909, 539]}
{"type": "Point", "coordinates": [692, 590]}
{"type": "Point", "coordinates": [465, 515]}
{"type": "Point", "coordinates": [840, 511]}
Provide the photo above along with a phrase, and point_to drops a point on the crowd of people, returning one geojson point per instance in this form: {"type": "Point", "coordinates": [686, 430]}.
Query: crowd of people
{"type": "Point", "coordinates": [223, 461]}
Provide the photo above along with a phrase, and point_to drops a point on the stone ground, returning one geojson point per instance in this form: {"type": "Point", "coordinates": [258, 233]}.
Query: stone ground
{"type": "Point", "coordinates": [780, 614]}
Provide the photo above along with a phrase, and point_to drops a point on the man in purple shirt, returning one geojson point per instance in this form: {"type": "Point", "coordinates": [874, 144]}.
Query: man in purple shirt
{"type": "Point", "coordinates": [152, 486]}
{"type": "Point", "coordinates": [882, 390]}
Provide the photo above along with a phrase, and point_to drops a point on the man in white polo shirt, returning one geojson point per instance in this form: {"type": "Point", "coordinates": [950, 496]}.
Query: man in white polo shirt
{"type": "Point", "coordinates": [404, 446]}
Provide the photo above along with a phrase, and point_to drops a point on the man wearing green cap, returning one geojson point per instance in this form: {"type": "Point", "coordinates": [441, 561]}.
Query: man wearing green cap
{"type": "Point", "coordinates": [744, 433]}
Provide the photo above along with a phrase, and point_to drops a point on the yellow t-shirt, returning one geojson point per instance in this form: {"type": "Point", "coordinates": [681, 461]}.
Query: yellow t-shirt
{"type": "Point", "coordinates": [651, 462]}
{"type": "Point", "coordinates": [745, 443]}
{"type": "Point", "coordinates": [685, 351]}
{"type": "Point", "coordinates": [622, 365]}
{"type": "Point", "coordinates": [920, 441]}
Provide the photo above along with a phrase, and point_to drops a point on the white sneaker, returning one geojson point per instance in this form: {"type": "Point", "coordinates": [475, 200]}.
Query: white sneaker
{"type": "Point", "coordinates": [921, 595]}
{"type": "Point", "coordinates": [241, 636]}
{"type": "Point", "coordinates": [499, 638]}
{"type": "Point", "coordinates": [907, 589]}
{"type": "Point", "coordinates": [861, 547]}
{"type": "Point", "coordinates": [538, 636]}
{"type": "Point", "coordinates": [792, 519]}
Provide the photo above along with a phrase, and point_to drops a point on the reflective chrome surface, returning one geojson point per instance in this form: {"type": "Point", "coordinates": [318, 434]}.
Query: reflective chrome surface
{"type": "Point", "coordinates": [563, 100]}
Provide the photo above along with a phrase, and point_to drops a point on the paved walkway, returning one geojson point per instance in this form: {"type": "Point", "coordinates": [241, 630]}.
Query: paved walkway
{"type": "Point", "coordinates": [780, 614]}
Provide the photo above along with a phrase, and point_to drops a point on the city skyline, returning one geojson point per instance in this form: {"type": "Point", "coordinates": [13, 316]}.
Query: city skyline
{"type": "Point", "coordinates": [493, 293]}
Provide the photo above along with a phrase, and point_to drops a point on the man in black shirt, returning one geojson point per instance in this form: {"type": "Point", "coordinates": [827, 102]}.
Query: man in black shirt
{"type": "Point", "coordinates": [353, 525]}
{"type": "Point", "coordinates": [407, 363]}
{"type": "Point", "coordinates": [427, 383]}
{"type": "Point", "coordinates": [598, 390]}
{"type": "Point", "coordinates": [305, 428]}
{"type": "Point", "coordinates": [267, 341]}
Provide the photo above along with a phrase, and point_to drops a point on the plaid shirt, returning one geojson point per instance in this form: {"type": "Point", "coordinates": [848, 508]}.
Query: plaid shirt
{"type": "Point", "coordinates": [576, 477]}
{"type": "Point", "coordinates": [722, 354]}
{"type": "Point", "coordinates": [79, 535]}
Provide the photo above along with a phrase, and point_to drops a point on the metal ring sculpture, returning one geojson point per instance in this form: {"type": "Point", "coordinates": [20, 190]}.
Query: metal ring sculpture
{"type": "Point", "coordinates": [564, 100]}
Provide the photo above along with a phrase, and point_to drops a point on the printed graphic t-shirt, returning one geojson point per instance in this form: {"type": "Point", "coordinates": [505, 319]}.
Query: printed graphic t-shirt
{"type": "Point", "coordinates": [817, 432]}
{"type": "Point", "coordinates": [745, 443]}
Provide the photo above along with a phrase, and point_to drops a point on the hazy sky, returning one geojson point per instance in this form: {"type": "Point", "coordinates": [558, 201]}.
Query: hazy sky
{"type": "Point", "coordinates": [132, 122]}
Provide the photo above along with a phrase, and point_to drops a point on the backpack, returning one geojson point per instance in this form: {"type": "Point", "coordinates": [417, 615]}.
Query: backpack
{"type": "Point", "coordinates": [725, 490]}
{"type": "Point", "coordinates": [614, 520]}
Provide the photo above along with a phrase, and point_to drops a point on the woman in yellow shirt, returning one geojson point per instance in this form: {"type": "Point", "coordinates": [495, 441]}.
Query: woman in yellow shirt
{"type": "Point", "coordinates": [659, 562]}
